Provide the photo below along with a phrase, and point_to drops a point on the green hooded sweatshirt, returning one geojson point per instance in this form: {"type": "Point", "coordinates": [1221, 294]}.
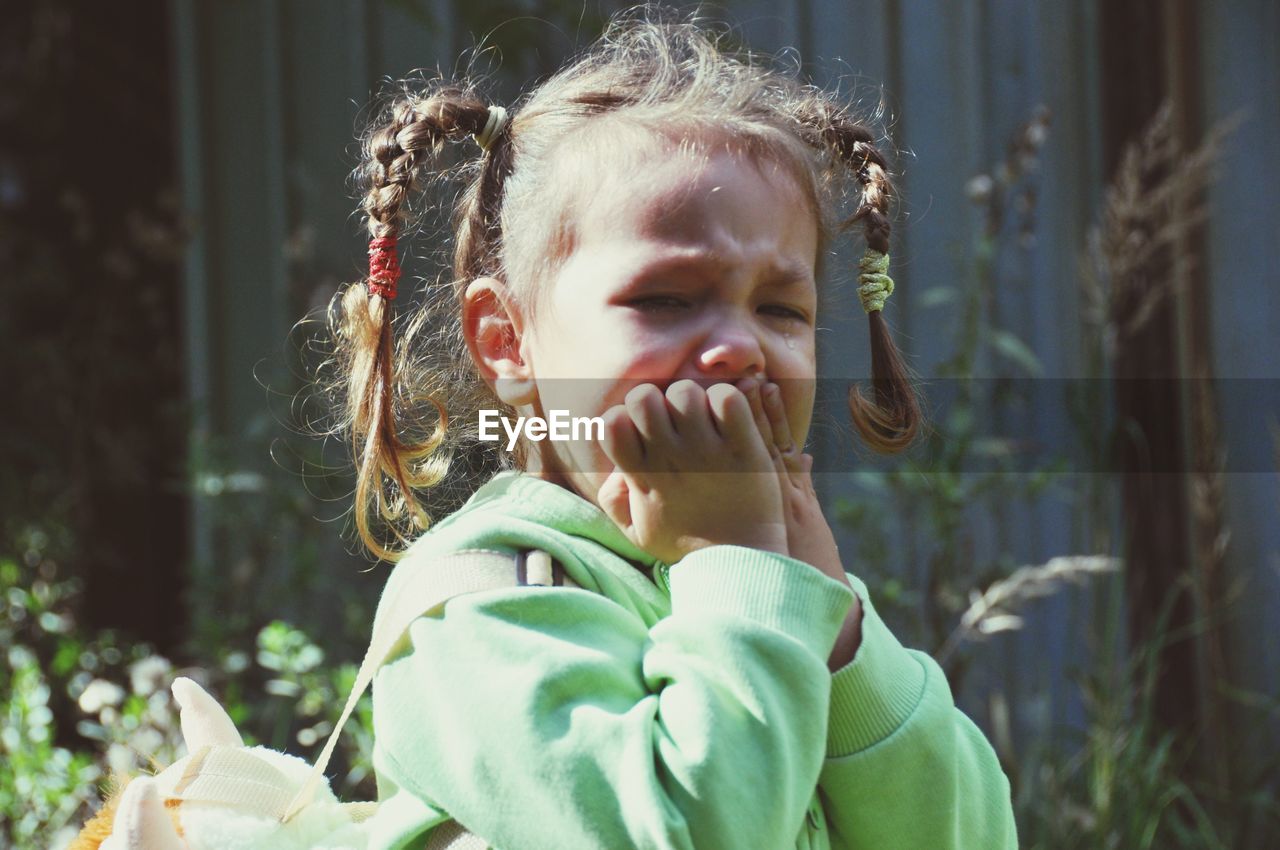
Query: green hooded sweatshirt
{"type": "Point", "coordinates": [684, 705]}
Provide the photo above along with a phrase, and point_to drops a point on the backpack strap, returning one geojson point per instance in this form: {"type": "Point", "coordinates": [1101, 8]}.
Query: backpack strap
{"type": "Point", "coordinates": [431, 583]}
{"type": "Point", "coordinates": [452, 835]}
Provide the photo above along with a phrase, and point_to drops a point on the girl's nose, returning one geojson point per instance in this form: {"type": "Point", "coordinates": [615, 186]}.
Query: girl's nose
{"type": "Point", "coordinates": [731, 351]}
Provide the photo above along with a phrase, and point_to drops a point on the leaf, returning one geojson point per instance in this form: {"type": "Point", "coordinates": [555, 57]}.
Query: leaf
{"type": "Point", "coordinates": [1016, 350]}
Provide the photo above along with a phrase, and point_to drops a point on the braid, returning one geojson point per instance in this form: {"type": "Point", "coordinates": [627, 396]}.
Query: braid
{"type": "Point", "coordinates": [477, 219]}
{"type": "Point", "coordinates": [889, 424]}
{"type": "Point", "coordinates": [394, 152]}
{"type": "Point", "coordinates": [388, 468]}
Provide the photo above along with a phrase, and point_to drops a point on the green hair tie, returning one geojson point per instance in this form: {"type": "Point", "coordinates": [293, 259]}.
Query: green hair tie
{"type": "Point", "coordinates": [876, 286]}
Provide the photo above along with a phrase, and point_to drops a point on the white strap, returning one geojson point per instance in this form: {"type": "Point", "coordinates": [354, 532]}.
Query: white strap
{"type": "Point", "coordinates": [430, 584]}
{"type": "Point", "coordinates": [232, 776]}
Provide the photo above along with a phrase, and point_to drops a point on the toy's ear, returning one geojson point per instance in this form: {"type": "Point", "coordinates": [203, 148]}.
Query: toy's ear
{"type": "Point", "coordinates": [142, 822]}
{"type": "Point", "coordinates": [204, 723]}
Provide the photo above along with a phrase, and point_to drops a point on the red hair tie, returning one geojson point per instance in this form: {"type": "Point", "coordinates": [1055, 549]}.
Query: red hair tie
{"type": "Point", "coordinates": [384, 267]}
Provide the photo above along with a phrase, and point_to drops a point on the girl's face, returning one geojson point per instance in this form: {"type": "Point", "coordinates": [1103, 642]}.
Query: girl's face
{"type": "Point", "coordinates": [698, 270]}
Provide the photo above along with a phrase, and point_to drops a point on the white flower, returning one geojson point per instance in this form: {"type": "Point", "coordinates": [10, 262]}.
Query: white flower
{"type": "Point", "coordinates": [99, 694]}
{"type": "Point", "coordinates": [149, 674]}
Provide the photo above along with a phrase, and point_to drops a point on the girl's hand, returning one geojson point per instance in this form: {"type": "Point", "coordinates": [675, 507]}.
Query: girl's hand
{"type": "Point", "coordinates": [809, 536]}
{"type": "Point", "coordinates": [691, 469]}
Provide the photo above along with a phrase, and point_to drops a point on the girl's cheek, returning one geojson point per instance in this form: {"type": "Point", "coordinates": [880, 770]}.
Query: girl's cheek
{"type": "Point", "coordinates": [650, 357]}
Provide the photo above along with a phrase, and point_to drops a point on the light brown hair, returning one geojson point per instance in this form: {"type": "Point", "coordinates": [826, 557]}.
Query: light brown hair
{"type": "Point", "coordinates": [654, 68]}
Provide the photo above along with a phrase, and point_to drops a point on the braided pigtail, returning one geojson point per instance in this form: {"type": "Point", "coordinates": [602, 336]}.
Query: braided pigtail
{"type": "Point", "coordinates": [891, 422]}
{"type": "Point", "coordinates": [411, 131]}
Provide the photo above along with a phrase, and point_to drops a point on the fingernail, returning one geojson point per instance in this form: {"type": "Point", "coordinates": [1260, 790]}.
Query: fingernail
{"type": "Point", "coordinates": [771, 390]}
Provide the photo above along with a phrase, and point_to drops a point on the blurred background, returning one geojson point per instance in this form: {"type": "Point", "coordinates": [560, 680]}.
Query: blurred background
{"type": "Point", "coordinates": [1088, 540]}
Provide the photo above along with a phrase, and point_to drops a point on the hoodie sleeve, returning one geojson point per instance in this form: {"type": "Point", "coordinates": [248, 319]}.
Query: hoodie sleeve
{"type": "Point", "coordinates": [554, 718]}
{"type": "Point", "coordinates": [905, 768]}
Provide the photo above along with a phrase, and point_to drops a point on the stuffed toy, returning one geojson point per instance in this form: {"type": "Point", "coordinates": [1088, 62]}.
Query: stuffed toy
{"type": "Point", "coordinates": [222, 796]}
{"type": "Point", "coordinates": [226, 796]}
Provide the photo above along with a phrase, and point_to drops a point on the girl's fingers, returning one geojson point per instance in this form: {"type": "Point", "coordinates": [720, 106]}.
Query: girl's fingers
{"type": "Point", "coordinates": [690, 413]}
{"type": "Point", "coordinates": [733, 415]}
{"type": "Point", "coordinates": [622, 443]}
{"type": "Point", "coordinates": [614, 498]}
{"type": "Point", "coordinates": [647, 407]}
{"type": "Point", "coordinates": [750, 387]}
{"type": "Point", "coordinates": [779, 427]}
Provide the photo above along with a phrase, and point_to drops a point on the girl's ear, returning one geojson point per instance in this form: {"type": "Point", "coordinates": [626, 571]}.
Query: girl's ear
{"type": "Point", "coordinates": [494, 329]}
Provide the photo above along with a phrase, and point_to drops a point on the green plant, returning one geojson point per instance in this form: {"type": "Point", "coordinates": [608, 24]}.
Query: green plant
{"type": "Point", "coordinates": [46, 782]}
{"type": "Point", "coordinates": [77, 709]}
{"type": "Point", "coordinates": [309, 696]}
{"type": "Point", "coordinates": [1118, 787]}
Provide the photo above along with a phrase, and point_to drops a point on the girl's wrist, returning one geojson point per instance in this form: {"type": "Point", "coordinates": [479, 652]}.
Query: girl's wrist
{"type": "Point", "coordinates": [849, 639]}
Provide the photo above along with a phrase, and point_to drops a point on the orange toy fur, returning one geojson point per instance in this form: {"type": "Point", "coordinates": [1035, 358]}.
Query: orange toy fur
{"type": "Point", "coordinates": [98, 829]}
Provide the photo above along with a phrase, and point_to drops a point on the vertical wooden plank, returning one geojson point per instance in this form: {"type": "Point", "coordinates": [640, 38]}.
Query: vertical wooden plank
{"type": "Point", "coordinates": [939, 132]}
{"type": "Point", "coordinates": [325, 88]}
{"type": "Point", "coordinates": [278, 212]}
{"type": "Point", "coordinates": [245, 204]}
{"type": "Point", "coordinates": [189, 65]}
{"type": "Point", "coordinates": [1028, 63]}
{"type": "Point", "coordinates": [1240, 42]}
{"type": "Point", "coordinates": [242, 224]}
{"type": "Point", "coordinates": [1070, 197]}
{"type": "Point", "coordinates": [1002, 54]}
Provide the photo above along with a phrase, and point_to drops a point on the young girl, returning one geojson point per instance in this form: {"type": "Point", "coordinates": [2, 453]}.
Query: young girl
{"type": "Point", "coordinates": [639, 241]}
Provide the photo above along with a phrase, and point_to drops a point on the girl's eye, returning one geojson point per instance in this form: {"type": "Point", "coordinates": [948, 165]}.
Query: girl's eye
{"type": "Point", "coordinates": [787, 312]}
{"type": "Point", "coordinates": [660, 302]}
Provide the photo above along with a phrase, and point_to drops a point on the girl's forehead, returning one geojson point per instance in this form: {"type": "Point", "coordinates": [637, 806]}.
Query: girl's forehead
{"type": "Point", "coordinates": [686, 196]}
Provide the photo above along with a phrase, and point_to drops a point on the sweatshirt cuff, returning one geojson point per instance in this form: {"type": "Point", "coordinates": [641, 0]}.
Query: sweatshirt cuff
{"type": "Point", "coordinates": [777, 591]}
{"type": "Point", "coordinates": [875, 693]}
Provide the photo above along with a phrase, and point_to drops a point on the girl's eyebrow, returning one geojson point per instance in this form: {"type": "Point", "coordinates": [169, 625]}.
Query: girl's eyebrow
{"type": "Point", "coordinates": [783, 273]}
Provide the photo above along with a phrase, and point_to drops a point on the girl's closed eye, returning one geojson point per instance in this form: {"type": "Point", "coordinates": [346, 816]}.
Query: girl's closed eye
{"type": "Point", "coordinates": [660, 302]}
{"type": "Point", "coordinates": [786, 312]}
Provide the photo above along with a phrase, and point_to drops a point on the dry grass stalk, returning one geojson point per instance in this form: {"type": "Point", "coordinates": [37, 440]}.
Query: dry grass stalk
{"type": "Point", "coordinates": [1150, 209]}
{"type": "Point", "coordinates": [993, 610]}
